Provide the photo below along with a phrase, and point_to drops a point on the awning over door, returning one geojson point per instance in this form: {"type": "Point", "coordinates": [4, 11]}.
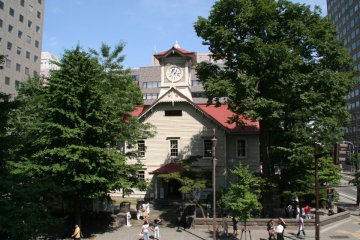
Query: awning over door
{"type": "Point", "coordinates": [169, 168]}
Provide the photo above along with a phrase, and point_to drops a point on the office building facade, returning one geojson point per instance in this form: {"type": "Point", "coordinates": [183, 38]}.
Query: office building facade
{"type": "Point", "coordinates": [21, 27]}
{"type": "Point", "coordinates": [345, 15]}
{"type": "Point", "coordinates": [48, 61]}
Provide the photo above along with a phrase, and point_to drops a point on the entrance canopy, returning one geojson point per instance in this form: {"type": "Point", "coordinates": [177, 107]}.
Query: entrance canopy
{"type": "Point", "coordinates": [169, 168]}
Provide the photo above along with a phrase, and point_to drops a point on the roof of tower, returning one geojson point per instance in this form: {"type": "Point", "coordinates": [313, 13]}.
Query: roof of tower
{"type": "Point", "coordinates": [174, 49]}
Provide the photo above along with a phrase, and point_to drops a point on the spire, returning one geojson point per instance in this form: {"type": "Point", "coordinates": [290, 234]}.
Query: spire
{"type": "Point", "coordinates": [176, 44]}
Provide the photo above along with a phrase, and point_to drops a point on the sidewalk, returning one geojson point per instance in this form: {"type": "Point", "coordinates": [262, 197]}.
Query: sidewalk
{"type": "Point", "coordinates": [171, 233]}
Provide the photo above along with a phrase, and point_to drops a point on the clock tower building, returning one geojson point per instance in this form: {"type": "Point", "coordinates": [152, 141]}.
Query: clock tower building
{"type": "Point", "coordinates": [176, 65]}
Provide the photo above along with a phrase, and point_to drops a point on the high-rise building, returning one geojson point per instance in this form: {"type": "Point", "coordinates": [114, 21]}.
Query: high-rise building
{"type": "Point", "coordinates": [48, 63]}
{"type": "Point", "coordinates": [345, 15]}
{"type": "Point", "coordinates": [21, 27]}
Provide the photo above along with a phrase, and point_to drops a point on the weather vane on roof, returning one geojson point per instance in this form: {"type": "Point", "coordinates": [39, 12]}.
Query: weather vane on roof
{"type": "Point", "coordinates": [176, 44]}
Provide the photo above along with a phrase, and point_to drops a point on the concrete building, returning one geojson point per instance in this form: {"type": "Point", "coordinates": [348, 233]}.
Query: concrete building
{"type": "Point", "coordinates": [345, 15]}
{"type": "Point", "coordinates": [149, 78]}
{"type": "Point", "coordinates": [21, 27]}
{"type": "Point", "coordinates": [185, 128]}
{"type": "Point", "coordinates": [47, 64]}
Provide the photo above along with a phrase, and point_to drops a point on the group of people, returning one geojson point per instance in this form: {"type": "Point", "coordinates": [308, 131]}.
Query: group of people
{"type": "Point", "coordinates": [153, 227]}
{"type": "Point", "coordinates": [293, 210]}
{"type": "Point", "coordinates": [143, 213]}
{"type": "Point", "coordinates": [142, 210]}
{"type": "Point", "coordinates": [225, 227]}
{"type": "Point", "coordinates": [276, 231]}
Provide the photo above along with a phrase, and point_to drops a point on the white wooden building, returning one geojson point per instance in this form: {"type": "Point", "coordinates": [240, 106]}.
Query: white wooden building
{"type": "Point", "coordinates": [184, 128]}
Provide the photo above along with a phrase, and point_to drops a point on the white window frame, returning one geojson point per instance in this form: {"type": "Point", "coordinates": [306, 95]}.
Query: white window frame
{"type": "Point", "coordinates": [244, 146]}
{"type": "Point", "coordinates": [141, 175]}
{"type": "Point", "coordinates": [141, 148]}
{"type": "Point", "coordinates": [174, 148]}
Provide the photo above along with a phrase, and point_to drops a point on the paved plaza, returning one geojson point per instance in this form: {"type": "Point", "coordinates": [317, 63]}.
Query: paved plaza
{"type": "Point", "coordinates": [346, 229]}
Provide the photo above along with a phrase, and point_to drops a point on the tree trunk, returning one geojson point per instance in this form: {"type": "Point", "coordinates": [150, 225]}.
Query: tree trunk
{"type": "Point", "coordinates": [267, 166]}
{"type": "Point", "coordinates": [201, 208]}
{"type": "Point", "coordinates": [77, 211]}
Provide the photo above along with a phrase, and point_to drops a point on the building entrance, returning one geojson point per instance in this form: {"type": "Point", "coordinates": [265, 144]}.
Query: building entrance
{"type": "Point", "coordinates": [173, 189]}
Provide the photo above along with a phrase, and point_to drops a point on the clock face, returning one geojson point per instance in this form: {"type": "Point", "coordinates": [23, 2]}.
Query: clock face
{"type": "Point", "coordinates": [174, 73]}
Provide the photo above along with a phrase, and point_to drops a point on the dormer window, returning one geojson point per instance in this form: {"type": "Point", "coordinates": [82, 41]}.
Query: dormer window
{"type": "Point", "coordinates": [173, 113]}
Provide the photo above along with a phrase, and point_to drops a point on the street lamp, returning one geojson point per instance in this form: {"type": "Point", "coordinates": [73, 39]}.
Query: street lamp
{"type": "Point", "coordinates": [214, 140]}
{"type": "Point", "coordinates": [317, 154]}
{"type": "Point", "coordinates": [317, 204]}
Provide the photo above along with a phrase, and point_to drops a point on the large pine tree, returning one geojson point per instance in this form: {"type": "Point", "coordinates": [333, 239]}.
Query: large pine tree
{"type": "Point", "coordinates": [68, 128]}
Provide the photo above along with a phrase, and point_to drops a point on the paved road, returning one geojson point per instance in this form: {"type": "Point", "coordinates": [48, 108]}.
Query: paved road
{"type": "Point", "coordinates": [347, 190]}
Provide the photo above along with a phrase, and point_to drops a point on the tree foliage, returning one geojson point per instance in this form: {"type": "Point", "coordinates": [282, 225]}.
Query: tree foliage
{"type": "Point", "coordinates": [191, 181]}
{"type": "Point", "coordinates": [67, 129]}
{"type": "Point", "coordinates": [241, 198]}
{"type": "Point", "coordinates": [283, 67]}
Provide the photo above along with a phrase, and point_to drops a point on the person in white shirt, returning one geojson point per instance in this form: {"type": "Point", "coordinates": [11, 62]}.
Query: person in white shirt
{"type": "Point", "coordinates": [280, 229]}
{"type": "Point", "coordinates": [280, 232]}
{"type": "Point", "coordinates": [145, 230]}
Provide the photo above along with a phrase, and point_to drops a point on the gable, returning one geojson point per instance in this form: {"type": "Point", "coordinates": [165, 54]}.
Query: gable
{"type": "Point", "coordinates": [220, 115]}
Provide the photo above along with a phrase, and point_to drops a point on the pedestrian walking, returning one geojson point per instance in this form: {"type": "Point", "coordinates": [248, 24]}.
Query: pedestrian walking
{"type": "Point", "coordinates": [235, 226]}
{"type": "Point", "coordinates": [289, 210]}
{"type": "Point", "coordinates": [301, 226]}
{"type": "Point", "coordinates": [77, 234]}
{"type": "Point", "coordinates": [138, 210]}
{"type": "Point", "coordinates": [146, 206]}
{"type": "Point", "coordinates": [145, 230]}
{"type": "Point", "coordinates": [156, 229]}
{"type": "Point", "coordinates": [307, 211]}
{"type": "Point", "coordinates": [297, 211]}
{"type": "Point", "coordinates": [224, 226]}
{"type": "Point", "coordinates": [208, 209]}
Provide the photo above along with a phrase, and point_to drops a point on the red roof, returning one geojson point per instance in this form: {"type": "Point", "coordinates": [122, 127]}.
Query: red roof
{"type": "Point", "coordinates": [139, 109]}
{"type": "Point", "coordinates": [169, 168]}
{"type": "Point", "coordinates": [221, 114]}
{"type": "Point", "coordinates": [180, 50]}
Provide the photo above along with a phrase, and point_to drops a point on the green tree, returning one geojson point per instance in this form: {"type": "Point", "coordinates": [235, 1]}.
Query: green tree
{"type": "Point", "coordinates": [22, 213]}
{"type": "Point", "coordinates": [241, 198]}
{"type": "Point", "coordinates": [191, 181]}
{"type": "Point", "coordinates": [69, 129]}
{"type": "Point", "coordinates": [284, 68]}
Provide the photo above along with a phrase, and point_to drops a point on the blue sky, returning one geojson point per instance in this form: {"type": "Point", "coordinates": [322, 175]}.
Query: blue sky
{"type": "Point", "coordinates": [145, 26]}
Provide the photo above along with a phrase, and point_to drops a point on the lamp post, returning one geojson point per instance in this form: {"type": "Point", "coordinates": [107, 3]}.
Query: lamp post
{"type": "Point", "coordinates": [315, 138]}
{"type": "Point", "coordinates": [214, 140]}
{"type": "Point", "coordinates": [352, 150]}
{"type": "Point", "coordinates": [317, 204]}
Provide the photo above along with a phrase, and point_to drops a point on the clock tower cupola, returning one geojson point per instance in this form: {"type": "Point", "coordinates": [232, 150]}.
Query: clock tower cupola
{"type": "Point", "coordinates": [176, 65]}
